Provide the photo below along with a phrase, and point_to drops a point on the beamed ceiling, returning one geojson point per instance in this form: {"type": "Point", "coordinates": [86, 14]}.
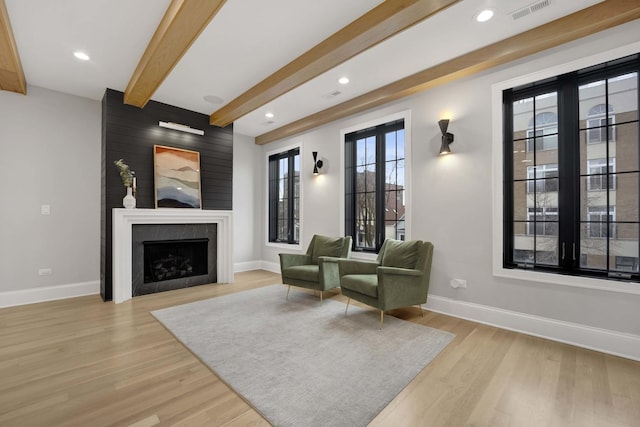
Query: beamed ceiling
{"type": "Point", "coordinates": [236, 61]}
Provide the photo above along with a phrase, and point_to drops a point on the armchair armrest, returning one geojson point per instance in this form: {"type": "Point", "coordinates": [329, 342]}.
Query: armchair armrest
{"type": "Point", "coordinates": [399, 271]}
{"type": "Point", "coordinates": [290, 260]}
{"type": "Point", "coordinates": [328, 272]}
{"type": "Point", "coordinates": [400, 287]}
{"type": "Point", "coordinates": [331, 259]}
{"type": "Point", "coordinates": [352, 266]}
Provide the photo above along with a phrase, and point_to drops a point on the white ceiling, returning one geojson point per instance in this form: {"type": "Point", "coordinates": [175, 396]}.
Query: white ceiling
{"type": "Point", "coordinates": [245, 42]}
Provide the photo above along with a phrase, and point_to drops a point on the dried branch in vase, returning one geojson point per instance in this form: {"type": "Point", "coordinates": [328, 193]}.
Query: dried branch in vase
{"type": "Point", "coordinates": [125, 173]}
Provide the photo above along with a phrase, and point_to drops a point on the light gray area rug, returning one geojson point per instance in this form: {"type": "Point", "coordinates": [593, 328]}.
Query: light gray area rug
{"type": "Point", "coordinates": [302, 362]}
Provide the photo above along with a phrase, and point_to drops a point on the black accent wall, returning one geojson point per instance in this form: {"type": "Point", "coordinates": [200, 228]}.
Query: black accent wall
{"type": "Point", "coordinates": [129, 133]}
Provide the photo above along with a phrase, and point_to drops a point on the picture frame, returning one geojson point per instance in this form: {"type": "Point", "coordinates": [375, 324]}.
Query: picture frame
{"type": "Point", "coordinates": [176, 178]}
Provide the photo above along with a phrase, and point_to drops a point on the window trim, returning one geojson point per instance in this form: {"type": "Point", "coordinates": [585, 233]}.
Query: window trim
{"type": "Point", "coordinates": [400, 115]}
{"type": "Point", "coordinates": [303, 170]}
{"type": "Point", "coordinates": [497, 118]}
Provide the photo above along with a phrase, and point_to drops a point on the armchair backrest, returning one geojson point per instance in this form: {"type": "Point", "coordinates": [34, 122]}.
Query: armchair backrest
{"type": "Point", "coordinates": [339, 247]}
{"type": "Point", "coordinates": [425, 257]}
{"type": "Point", "coordinates": [424, 264]}
{"type": "Point", "coordinates": [400, 254]}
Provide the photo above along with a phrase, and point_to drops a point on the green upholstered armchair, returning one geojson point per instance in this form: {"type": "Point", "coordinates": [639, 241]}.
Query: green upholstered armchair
{"type": "Point", "coordinates": [398, 278]}
{"type": "Point", "coordinates": [318, 268]}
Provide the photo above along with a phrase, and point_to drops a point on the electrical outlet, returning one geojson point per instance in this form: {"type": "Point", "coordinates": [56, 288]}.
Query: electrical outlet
{"type": "Point", "coordinates": [45, 272]}
{"type": "Point", "coordinates": [45, 209]}
{"type": "Point", "coordinates": [458, 283]}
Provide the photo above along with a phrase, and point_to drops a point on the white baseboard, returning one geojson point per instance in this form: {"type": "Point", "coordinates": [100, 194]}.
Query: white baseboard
{"type": "Point", "coordinates": [49, 293]}
{"type": "Point", "coordinates": [603, 340]}
{"type": "Point", "coordinates": [273, 267]}
{"type": "Point", "coordinates": [239, 267]}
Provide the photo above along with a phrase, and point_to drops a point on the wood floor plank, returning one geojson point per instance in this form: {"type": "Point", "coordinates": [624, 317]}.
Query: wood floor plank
{"type": "Point", "coordinates": [85, 362]}
{"type": "Point", "coordinates": [625, 387]}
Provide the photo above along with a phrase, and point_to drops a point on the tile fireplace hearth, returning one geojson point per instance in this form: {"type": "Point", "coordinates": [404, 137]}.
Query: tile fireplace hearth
{"type": "Point", "coordinates": [124, 219]}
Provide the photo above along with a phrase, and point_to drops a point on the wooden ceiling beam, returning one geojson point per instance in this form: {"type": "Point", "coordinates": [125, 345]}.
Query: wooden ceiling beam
{"type": "Point", "coordinates": [594, 19]}
{"type": "Point", "coordinates": [380, 23]}
{"type": "Point", "coordinates": [11, 74]}
{"type": "Point", "coordinates": [181, 25]}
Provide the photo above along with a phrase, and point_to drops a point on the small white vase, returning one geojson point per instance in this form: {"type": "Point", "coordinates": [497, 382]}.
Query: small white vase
{"type": "Point", "coordinates": [129, 201]}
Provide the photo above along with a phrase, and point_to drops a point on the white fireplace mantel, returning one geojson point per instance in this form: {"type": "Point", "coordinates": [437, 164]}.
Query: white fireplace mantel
{"type": "Point", "coordinates": [124, 219]}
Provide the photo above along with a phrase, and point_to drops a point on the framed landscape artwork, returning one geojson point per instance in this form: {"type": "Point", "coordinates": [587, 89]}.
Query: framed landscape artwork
{"type": "Point", "coordinates": [176, 177]}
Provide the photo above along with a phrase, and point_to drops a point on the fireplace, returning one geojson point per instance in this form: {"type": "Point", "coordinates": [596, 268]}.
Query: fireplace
{"type": "Point", "coordinates": [172, 256]}
{"type": "Point", "coordinates": [168, 224]}
{"type": "Point", "coordinates": [174, 259]}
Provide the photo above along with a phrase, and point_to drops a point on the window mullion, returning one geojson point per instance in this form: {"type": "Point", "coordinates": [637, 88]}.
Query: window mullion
{"type": "Point", "coordinates": [350, 179]}
{"type": "Point", "coordinates": [508, 200]}
{"type": "Point", "coordinates": [290, 202]}
{"type": "Point", "coordinates": [638, 144]}
{"type": "Point", "coordinates": [273, 199]}
{"type": "Point", "coordinates": [535, 183]}
{"type": "Point", "coordinates": [568, 173]}
{"type": "Point", "coordinates": [380, 187]}
{"type": "Point", "coordinates": [608, 209]}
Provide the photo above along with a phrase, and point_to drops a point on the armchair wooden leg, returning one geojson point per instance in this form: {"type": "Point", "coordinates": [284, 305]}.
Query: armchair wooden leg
{"type": "Point", "coordinates": [288, 289]}
{"type": "Point", "coordinates": [421, 312]}
{"type": "Point", "coordinates": [381, 318]}
{"type": "Point", "coordinates": [321, 294]}
{"type": "Point", "coordinates": [345, 309]}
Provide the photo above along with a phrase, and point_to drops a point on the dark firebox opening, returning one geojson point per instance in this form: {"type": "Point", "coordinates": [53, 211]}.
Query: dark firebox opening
{"type": "Point", "coordinates": [174, 259]}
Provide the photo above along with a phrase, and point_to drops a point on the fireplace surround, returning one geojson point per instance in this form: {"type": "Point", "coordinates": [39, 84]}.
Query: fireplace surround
{"type": "Point", "coordinates": [172, 256]}
{"type": "Point", "coordinates": [123, 221]}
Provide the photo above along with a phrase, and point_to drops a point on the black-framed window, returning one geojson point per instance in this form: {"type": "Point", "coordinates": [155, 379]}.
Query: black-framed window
{"type": "Point", "coordinates": [572, 173]}
{"type": "Point", "coordinates": [284, 197]}
{"type": "Point", "coordinates": [375, 185]}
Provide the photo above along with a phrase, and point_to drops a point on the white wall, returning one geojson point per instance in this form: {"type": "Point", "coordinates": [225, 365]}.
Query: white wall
{"type": "Point", "coordinates": [247, 206]}
{"type": "Point", "coordinates": [452, 203]}
{"type": "Point", "coordinates": [50, 146]}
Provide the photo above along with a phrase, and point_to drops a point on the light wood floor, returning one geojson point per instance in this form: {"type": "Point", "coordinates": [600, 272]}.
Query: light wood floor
{"type": "Point", "coordinates": [83, 362]}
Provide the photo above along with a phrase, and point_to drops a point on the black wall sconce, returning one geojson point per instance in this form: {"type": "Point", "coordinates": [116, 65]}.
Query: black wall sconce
{"type": "Point", "coordinates": [447, 138]}
{"type": "Point", "coordinates": [317, 164]}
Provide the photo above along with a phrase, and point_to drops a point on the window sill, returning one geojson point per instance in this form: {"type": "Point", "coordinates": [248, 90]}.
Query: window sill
{"type": "Point", "coordinates": [566, 280]}
{"type": "Point", "coordinates": [290, 246]}
{"type": "Point", "coordinates": [364, 256]}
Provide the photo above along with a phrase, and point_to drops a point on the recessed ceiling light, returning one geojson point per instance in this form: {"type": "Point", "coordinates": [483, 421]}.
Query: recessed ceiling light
{"type": "Point", "coordinates": [484, 16]}
{"type": "Point", "coordinates": [343, 80]}
{"type": "Point", "coordinates": [269, 115]}
{"type": "Point", "coordinates": [213, 99]}
{"type": "Point", "coordinates": [81, 55]}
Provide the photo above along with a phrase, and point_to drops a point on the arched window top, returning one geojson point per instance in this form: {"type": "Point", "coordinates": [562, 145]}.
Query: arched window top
{"type": "Point", "coordinates": [544, 119]}
{"type": "Point", "coordinates": [599, 110]}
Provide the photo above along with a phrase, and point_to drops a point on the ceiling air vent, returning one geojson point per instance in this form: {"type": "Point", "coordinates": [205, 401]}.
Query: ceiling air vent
{"type": "Point", "coordinates": [532, 8]}
{"type": "Point", "coordinates": [332, 95]}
